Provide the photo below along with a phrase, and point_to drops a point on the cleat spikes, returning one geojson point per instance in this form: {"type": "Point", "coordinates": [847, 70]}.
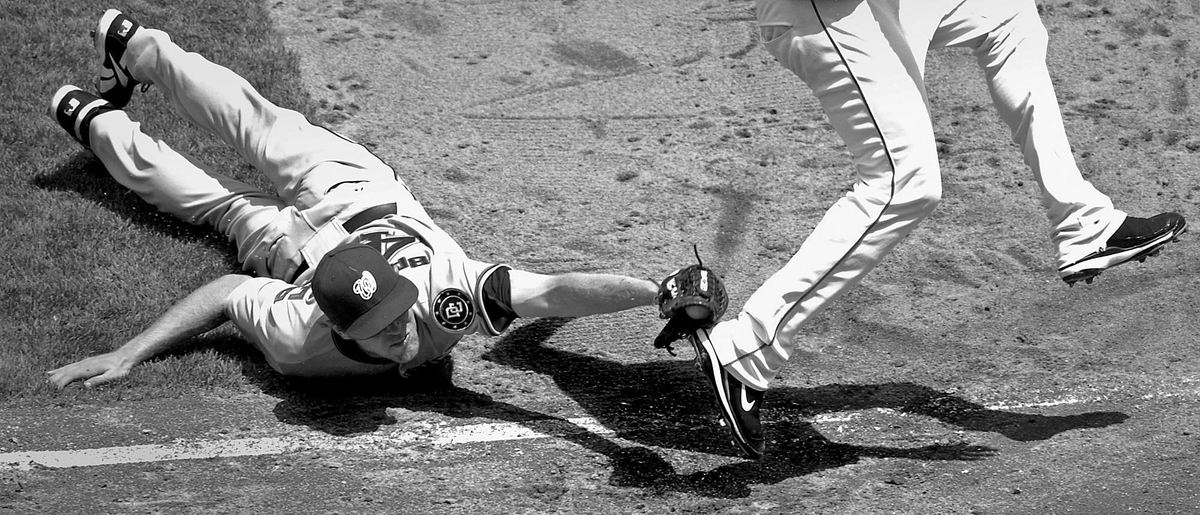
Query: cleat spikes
{"type": "Point", "coordinates": [1087, 276]}
{"type": "Point", "coordinates": [1135, 240]}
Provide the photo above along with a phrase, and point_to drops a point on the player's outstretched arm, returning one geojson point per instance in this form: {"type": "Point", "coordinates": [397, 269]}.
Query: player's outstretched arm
{"type": "Point", "coordinates": [577, 294]}
{"type": "Point", "coordinates": [199, 312]}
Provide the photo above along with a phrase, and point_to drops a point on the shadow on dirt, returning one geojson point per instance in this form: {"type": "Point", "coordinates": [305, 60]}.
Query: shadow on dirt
{"type": "Point", "coordinates": [663, 404]}
{"type": "Point", "coordinates": [666, 404]}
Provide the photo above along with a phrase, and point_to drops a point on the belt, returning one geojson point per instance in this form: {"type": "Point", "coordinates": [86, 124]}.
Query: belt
{"type": "Point", "coordinates": [369, 215]}
{"type": "Point", "coordinates": [356, 222]}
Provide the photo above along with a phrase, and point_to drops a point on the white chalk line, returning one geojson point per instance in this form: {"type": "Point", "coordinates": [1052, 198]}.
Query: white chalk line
{"type": "Point", "coordinates": [1069, 400]}
{"type": "Point", "coordinates": [398, 440]}
{"type": "Point", "coordinates": [241, 447]}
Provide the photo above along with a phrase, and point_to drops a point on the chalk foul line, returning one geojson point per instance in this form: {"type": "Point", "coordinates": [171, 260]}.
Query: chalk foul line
{"type": "Point", "coordinates": [241, 447]}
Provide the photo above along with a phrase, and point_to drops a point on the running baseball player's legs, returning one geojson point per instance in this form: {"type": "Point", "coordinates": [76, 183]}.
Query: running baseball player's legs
{"type": "Point", "coordinates": [858, 61]}
{"type": "Point", "coordinates": [302, 160]}
{"type": "Point", "coordinates": [1009, 43]}
{"type": "Point", "coordinates": [869, 84]}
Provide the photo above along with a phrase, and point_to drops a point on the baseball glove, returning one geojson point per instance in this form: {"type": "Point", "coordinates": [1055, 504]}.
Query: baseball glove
{"type": "Point", "coordinates": [691, 298]}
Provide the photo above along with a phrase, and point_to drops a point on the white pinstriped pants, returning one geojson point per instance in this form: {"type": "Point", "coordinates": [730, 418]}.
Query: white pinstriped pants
{"type": "Point", "coordinates": [865, 61]}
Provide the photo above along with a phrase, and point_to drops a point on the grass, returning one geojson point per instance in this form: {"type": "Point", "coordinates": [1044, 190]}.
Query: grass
{"type": "Point", "coordinates": [88, 264]}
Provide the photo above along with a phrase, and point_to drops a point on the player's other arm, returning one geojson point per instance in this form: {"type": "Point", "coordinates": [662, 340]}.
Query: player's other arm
{"type": "Point", "coordinates": [577, 294]}
{"type": "Point", "coordinates": [199, 312]}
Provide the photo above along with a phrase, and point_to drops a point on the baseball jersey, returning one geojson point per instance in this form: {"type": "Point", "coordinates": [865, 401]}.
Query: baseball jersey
{"type": "Point", "coordinates": [457, 296]}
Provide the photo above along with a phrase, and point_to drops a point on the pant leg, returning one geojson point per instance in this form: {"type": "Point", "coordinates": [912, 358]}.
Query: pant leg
{"type": "Point", "coordinates": [1010, 42]}
{"type": "Point", "coordinates": [279, 142]}
{"type": "Point", "coordinates": [174, 184]}
{"type": "Point", "coordinates": [856, 58]}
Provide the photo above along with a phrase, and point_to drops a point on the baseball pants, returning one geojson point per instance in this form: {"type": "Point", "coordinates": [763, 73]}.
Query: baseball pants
{"type": "Point", "coordinates": [319, 176]}
{"type": "Point", "coordinates": [865, 62]}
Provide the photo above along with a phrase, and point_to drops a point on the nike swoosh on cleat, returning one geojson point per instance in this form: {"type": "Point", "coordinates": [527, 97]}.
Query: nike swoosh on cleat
{"type": "Point", "coordinates": [747, 404]}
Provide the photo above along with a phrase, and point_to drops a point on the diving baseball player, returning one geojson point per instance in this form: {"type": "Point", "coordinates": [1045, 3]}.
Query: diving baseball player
{"type": "Point", "coordinates": [865, 60]}
{"type": "Point", "coordinates": [353, 277]}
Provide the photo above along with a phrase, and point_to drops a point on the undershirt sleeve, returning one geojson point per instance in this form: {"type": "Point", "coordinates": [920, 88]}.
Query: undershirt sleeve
{"type": "Point", "coordinates": [497, 300]}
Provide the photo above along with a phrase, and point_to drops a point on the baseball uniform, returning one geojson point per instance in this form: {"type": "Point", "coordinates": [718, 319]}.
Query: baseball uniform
{"type": "Point", "coordinates": [331, 191]}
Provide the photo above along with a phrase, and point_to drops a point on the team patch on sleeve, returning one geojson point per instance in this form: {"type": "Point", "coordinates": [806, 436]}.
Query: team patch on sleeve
{"type": "Point", "coordinates": [453, 310]}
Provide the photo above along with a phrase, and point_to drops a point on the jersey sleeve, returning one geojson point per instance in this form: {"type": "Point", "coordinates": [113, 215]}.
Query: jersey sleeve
{"type": "Point", "coordinates": [489, 292]}
{"type": "Point", "coordinates": [462, 296]}
{"type": "Point", "coordinates": [277, 317]}
{"type": "Point", "coordinates": [285, 323]}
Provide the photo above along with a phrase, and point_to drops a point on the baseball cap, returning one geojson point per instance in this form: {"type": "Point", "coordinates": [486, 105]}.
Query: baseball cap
{"type": "Point", "coordinates": [359, 291]}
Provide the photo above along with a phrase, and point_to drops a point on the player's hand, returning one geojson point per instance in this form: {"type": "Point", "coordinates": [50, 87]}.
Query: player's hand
{"type": "Point", "coordinates": [92, 371]}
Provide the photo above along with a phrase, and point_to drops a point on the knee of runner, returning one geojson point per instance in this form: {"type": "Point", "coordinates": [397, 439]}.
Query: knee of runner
{"type": "Point", "coordinates": [915, 198]}
{"type": "Point", "coordinates": [920, 199]}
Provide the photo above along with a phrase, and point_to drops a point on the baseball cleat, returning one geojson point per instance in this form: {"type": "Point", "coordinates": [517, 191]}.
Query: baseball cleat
{"type": "Point", "coordinates": [111, 36]}
{"type": "Point", "coordinates": [1135, 240]}
{"type": "Point", "coordinates": [74, 109]}
{"type": "Point", "coordinates": [738, 403]}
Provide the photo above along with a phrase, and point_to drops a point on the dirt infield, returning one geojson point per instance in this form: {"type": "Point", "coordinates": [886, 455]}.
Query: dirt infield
{"type": "Point", "coordinates": [962, 376]}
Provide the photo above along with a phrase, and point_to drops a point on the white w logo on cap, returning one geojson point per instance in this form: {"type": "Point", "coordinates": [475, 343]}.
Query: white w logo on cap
{"type": "Point", "coordinates": [365, 286]}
